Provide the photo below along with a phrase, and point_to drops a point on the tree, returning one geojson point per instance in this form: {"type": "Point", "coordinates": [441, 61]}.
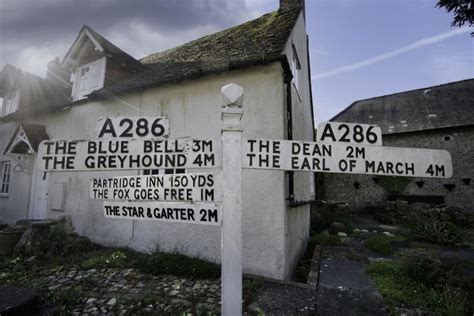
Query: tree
{"type": "Point", "coordinates": [463, 11]}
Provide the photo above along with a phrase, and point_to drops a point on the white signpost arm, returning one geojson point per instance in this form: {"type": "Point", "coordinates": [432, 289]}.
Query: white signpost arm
{"type": "Point", "coordinates": [231, 232]}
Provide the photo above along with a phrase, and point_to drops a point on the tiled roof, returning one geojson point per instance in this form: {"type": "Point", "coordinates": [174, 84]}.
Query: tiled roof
{"type": "Point", "coordinates": [36, 93]}
{"type": "Point", "coordinates": [115, 53]}
{"type": "Point", "coordinates": [447, 105]}
{"type": "Point", "coordinates": [259, 41]}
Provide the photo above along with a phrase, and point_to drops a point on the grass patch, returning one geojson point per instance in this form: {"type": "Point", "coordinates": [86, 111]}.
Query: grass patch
{"type": "Point", "coordinates": [251, 288]}
{"type": "Point", "coordinates": [159, 263]}
{"type": "Point", "coordinates": [326, 240]}
{"type": "Point", "coordinates": [106, 259]}
{"type": "Point", "coordinates": [381, 244]}
{"type": "Point", "coordinates": [397, 287]}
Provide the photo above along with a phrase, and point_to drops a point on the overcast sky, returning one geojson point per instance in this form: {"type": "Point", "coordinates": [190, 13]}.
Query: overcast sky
{"type": "Point", "coordinates": [358, 48]}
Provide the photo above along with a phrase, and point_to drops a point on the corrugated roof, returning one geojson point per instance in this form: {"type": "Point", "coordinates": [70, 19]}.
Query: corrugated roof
{"type": "Point", "coordinates": [447, 105]}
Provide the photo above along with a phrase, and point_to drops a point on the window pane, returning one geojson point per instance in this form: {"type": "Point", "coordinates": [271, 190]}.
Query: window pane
{"type": "Point", "coordinates": [5, 177]}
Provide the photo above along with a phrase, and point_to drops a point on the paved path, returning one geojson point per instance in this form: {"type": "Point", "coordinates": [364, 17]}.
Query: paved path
{"type": "Point", "coordinates": [345, 289]}
{"type": "Point", "coordinates": [279, 298]}
{"type": "Point", "coordinates": [17, 301]}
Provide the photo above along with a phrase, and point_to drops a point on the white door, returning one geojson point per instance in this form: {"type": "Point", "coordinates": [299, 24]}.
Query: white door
{"type": "Point", "coordinates": [39, 194]}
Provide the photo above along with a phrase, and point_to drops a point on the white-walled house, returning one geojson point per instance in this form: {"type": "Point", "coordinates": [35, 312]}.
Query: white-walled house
{"type": "Point", "coordinates": [268, 57]}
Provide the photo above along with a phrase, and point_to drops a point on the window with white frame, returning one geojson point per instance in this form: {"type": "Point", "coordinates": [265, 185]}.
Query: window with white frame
{"type": "Point", "coordinates": [5, 177]}
{"type": "Point", "coordinates": [87, 78]}
{"type": "Point", "coordinates": [9, 102]}
{"type": "Point", "coordinates": [295, 66]}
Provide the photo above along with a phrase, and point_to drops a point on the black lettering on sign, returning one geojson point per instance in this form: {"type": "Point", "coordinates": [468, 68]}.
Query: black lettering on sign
{"type": "Point", "coordinates": [207, 194]}
{"type": "Point", "coordinates": [355, 152]}
{"type": "Point", "coordinates": [142, 127]}
{"type": "Point", "coordinates": [435, 170]}
{"type": "Point", "coordinates": [202, 145]}
{"type": "Point", "coordinates": [328, 132]}
{"type": "Point", "coordinates": [251, 142]}
{"type": "Point", "coordinates": [126, 132]}
{"type": "Point", "coordinates": [208, 215]}
{"type": "Point", "coordinates": [157, 128]}
{"type": "Point", "coordinates": [108, 128]}
{"type": "Point", "coordinates": [342, 165]}
{"type": "Point", "coordinates": [346, 132]}
{"type": "Point", "coordinates": [128, 128]}
{"type": "Point", "coordinates": [371, 136]}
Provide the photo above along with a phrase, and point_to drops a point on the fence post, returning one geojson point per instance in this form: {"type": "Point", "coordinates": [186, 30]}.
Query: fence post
{"type": "Point", "coordinates": [231, 232]}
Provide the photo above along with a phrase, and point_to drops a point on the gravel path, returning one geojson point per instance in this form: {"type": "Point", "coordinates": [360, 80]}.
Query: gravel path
{"type": "Point", "coordinates": [126, 292]}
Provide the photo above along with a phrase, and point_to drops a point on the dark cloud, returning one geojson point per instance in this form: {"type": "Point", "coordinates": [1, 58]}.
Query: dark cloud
{"type": "Point", "coordinates": [56, 17]}
{"type": "Point", "coordinates": [37, 27]}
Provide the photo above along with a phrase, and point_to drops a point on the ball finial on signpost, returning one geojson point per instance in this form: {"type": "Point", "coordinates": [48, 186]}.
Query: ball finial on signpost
{"type": "Point", "coordinates": [232, 95]}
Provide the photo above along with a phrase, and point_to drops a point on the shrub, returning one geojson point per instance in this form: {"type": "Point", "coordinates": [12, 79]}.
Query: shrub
{"type": "Point", "coordinates": [429, 228]}
{"type": "Point", "coordinates": [53, 241]}
{"type": "Point", "coordinates": [381, 243]}
{"type": "Point", "coordinates": [422, 265]}
{"type": "Point", "coordinates": [454, 301]}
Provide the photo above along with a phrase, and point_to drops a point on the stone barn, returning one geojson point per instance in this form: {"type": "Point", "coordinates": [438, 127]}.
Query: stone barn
{"type": "Point", "coordinates": [439, 117]}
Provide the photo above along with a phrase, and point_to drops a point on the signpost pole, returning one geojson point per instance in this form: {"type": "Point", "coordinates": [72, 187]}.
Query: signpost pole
{"type": "Point", "coordinates": [231, 233]}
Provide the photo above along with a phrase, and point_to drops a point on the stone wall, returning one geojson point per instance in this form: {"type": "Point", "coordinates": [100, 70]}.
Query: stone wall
{"type": "Point", "coordinates": [362, 190]}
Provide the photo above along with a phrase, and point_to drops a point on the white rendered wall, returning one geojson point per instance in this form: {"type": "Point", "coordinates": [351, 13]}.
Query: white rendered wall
{"type": "Point", "coordinates": [194, 110]}
{"type": "Point", "coordinates": [15, 206]}
{"type": "Point", "coordinates": [297, 219]}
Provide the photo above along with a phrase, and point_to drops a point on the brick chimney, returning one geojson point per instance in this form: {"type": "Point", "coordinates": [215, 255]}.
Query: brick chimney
{"type": "Point", "coordinates": [288, 4]}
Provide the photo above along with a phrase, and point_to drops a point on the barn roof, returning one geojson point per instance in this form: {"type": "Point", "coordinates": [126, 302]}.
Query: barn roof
{"type": "Point", "coordinates": [443, 106]}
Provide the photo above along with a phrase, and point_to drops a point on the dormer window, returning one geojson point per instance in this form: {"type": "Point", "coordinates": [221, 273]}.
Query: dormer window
{"type": "Point", "coordinates": [9, 102]}
{"type": "Point", "coordinates": [87, 78]}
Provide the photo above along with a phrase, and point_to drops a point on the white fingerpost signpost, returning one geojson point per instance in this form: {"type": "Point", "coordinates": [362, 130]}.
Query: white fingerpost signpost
{"type": "Point", "coordinates": [231, 231]}
{"type": "Point", "coordinates": [138, 143]}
